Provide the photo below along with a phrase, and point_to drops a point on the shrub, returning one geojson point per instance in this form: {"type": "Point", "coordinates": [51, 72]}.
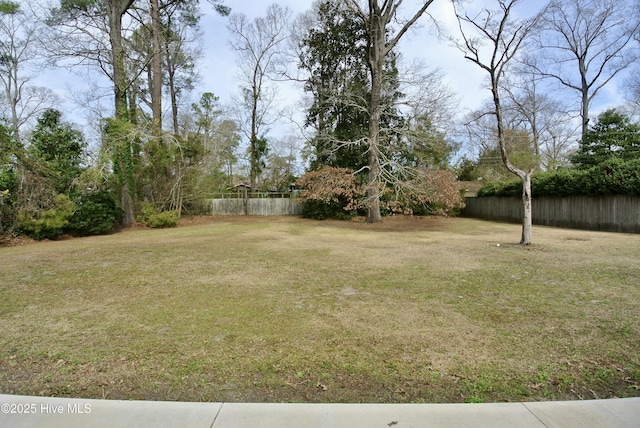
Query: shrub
{"type": "Point", "coordinates": [320, 210]}
{"type": "Point", "coordinates": [49, 223]}
{"type": "Point", "coordinates": [7, 200]}
{"type": "Point", "coordinates": [163, 219]}
{"type": "Point", "coordinates": [335, 193]}
{"type": "Point", "coordinates": [96, 214]}
{"type": "Point", "coordinates": [152, 218]}
{"type": "Point", "coordinates": [330, 192]}
{"type": "Point", "coordinates": [429, 191]}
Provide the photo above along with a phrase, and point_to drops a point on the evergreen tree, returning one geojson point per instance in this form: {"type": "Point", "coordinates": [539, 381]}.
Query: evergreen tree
{"type": "Point", "coordinates": [614, 135]}
{"type": "Point", "coordinates": [59, 148]}
{"type": "Point", "coordinates": [334, 53]}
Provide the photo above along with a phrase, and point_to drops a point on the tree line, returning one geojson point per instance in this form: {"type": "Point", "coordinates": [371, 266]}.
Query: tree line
{"type": "Point", "coordinates": [381, 135]}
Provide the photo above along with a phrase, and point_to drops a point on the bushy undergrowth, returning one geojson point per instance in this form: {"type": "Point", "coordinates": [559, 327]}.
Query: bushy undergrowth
{"type": "Point", "coordinates": [95, 214]}
{"type": "Point", "coordinates": [49, 223]}
{"type": "Point", "coordinates": [8, 184]}
{"type": "Point", "coordinates": [319, 210]}
{"type": "Point", "coordinates": [151, 217]}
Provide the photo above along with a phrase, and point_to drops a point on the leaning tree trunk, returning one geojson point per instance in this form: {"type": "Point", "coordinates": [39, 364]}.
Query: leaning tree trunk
{"type": "Point", "coordinates": [525, 176]}
{"type": "Point", "coordinates": [584, 111]}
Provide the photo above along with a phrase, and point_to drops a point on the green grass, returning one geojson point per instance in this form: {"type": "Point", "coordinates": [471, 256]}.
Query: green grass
{"type": "Point", "coordinates": [286, 309]}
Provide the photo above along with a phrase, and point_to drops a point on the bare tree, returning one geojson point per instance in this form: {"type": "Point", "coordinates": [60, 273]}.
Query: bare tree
{"type": "Point", "coordinates": [18, 56]}
{"type": "Point", "coordinates": [174, 32]}
{"type": "Point", "coordinates": [546, 120]}
{"type": "Point", "coordinates": [259, 47]}
{"type": "Point", "coordinates": [595, 36]}
{"type": "Point", "coordinates": [478, 130]}
{"type": "Point", "coordinates": [383, 35]}
{"type": "Point", "coordinates": [491, 39]}
{"type": "Point", "coordinates": [180, 53]}
{"type": "Point", "coordinates": [280, 169]}
{"type": "Point", "coordinates": [429, 95]}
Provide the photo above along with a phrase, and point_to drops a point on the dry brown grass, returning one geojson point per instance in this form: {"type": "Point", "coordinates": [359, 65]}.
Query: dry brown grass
{"type": "Point", "coordinates": [287, 309]}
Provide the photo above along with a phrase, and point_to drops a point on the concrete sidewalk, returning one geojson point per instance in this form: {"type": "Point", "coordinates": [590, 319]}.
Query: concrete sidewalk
{"type": "Point", "coordinates": [22, 411]}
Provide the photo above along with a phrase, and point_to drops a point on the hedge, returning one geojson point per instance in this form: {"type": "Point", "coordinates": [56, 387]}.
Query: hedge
{"type": "Point", "coordinates": [612, 177]}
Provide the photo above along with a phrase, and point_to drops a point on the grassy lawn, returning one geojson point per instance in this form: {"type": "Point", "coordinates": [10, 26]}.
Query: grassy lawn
{"type": "Point", "coordinates": [288, 309]}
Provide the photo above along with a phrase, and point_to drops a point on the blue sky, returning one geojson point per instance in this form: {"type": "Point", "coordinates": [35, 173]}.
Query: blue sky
{"type": "Point", "coordinates": [218, 67]}
{"type": "Point", "coordinates": [421, 43]}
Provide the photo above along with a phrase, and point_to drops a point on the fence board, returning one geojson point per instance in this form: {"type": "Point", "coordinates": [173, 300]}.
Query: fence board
{"type": "Point", "coordinates": [256, 206]}
{"type": "Point", "coordinates": [609, 213]}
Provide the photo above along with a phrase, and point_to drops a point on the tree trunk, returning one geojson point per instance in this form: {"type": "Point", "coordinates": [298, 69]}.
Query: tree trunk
{"type": "Point", "coordinates": [584, 112]}
{"type": "Point", "coordinates": [127, 206]}
{"type": "Point", "coordinates": [14, 97]}
{"type": "Point", "coordinates": [115, 10]}
{"type": "Point", "coordinates": [170, 67]}
{"type": "Point", "coordinates": [377, 46]}
{"type": "Point", "coordinates": [117, 58]}
{"type": "Point", "coordinates": [156, 69]}
{"type": "Point", "coordinates": [253, 149]}
{"type": "Point", "coordinates": [373, 189]}
{"type": "Point", "coordinates": [254, 155]}
{"type": "Point", "coordinates": [527, 214]}
{"type": "Point", "coordinates": [373, 156]}
{"type": "Point", "coordinates": [174, 102]}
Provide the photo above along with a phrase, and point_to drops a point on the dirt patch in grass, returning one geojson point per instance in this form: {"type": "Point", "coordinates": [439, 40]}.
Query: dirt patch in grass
{"type": "Point", "coordinates": [12, 241]}
{"type": "Point", "coordinates": [288, 309]}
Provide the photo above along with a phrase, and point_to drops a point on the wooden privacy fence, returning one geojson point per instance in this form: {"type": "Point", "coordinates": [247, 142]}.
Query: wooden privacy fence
{"type": "Point", "coordinates": [286, 204]}
{"type": "Point", "coordinates": [608, 213]}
